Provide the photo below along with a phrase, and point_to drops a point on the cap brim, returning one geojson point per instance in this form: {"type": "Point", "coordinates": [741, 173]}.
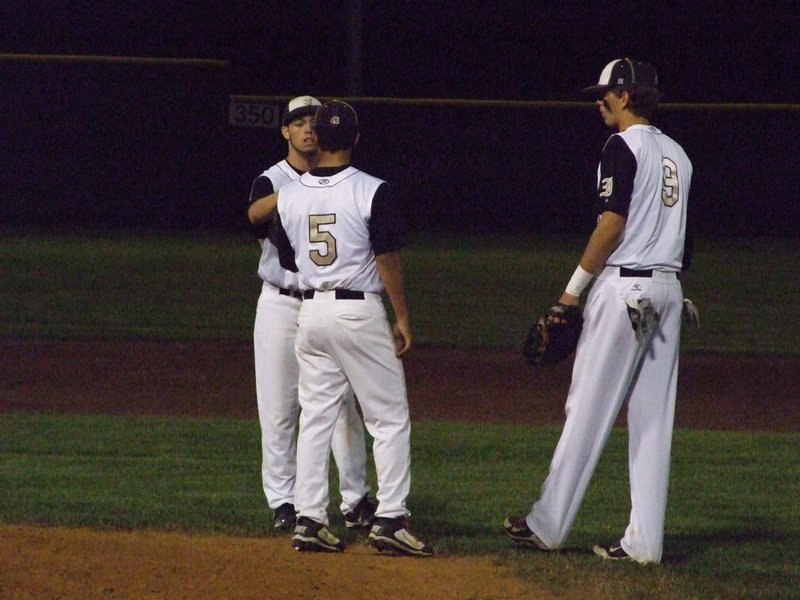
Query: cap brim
{"type": "Point", "coordinates": [595, 89]}
{"type": "Point", "coordinates": [300, 112]}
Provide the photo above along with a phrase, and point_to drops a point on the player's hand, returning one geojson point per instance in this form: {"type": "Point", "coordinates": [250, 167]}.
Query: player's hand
{"type": "Point", "coordinates": [402, 337]}
{"type": "Point", "coordinates": [569, 299]}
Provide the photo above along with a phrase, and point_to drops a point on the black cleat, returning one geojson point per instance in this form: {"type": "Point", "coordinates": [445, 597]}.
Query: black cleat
{"type": "Point", "coordinates": [611, 551]}
{"type": "Point", "coordinates": [312, 536]}
{"type": "Point", "coordinates": [518, 530]}
{"type": "Point", "coordinates": [362, 514]}
{"type": "Point", "coordinates": [393, 535]}
{"type": "Point", "coordinates": [285, 517]}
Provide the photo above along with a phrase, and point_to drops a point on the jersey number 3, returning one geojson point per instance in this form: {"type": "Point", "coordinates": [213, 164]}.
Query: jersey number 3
{"type": "Point", "coordinates": [669, 182]}
{"type": "Point", "coordinates": [316, 235]}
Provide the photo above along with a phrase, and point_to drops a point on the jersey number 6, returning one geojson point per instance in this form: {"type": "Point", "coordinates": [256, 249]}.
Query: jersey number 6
{"type": "Point", "coordinates": [318, 236]}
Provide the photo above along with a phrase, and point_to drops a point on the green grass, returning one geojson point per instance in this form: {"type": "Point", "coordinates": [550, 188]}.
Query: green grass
{"type": "Point", "coordinates": [463, 291]}
{"type": "Point", "coordinates": [733, 518]}
{"type": "Point", "coordinates": [112, 286]}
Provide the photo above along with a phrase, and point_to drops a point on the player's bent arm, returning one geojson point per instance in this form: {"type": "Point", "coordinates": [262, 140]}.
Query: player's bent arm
{"type": "Point", "coordinates": [601, 244]}
{"type": "Point", "coordinates": [390, 269]}
{"type": "Point", "coordinates": [262, 209]}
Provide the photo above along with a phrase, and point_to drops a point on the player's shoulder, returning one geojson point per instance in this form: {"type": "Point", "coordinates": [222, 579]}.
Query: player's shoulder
{"type": "Point", "coordinates": [350, 174]}
{"type": "Point", "coordinates": [665, 142]}
{"type": "Point", "coordinates": [280, 173]}
{"type": "Point", "coordinates": [639, 137]}
{"type": "Point", "coordinates": [371, 178]}
{"type": "Point", "coordinates": [352, 171]}
{"type": "Point", "coordinates": [375, 178]}
{"type": "Point", "coordinates": [289, 187]}
{"type": "Point", "coordinates": [618, 143]}
{"type": "Point", "coordinates": [638, 132]}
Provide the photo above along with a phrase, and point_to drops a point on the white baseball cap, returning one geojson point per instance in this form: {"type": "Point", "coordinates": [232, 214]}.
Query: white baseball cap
{"type": "Point", "coordinates": [624, 71]}
{"type": "Point", "coordinates": [300, 107]}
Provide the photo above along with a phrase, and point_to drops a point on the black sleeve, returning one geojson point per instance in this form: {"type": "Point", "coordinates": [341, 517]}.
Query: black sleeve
{"type": "Point", "coordinates": [262, 186]}
{"type": "Point", "coordinates": [387, 226]}
{"type": "Point", "coordinates": [284, 246]}
{"type": "Point", "coordinates": [617, 171]}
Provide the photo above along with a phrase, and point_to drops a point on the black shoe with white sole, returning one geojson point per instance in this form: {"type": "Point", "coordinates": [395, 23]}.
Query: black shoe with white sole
{"type": "Point", "coordinates": [392, 535]}
{"type": "Point", "coordinates": [312, 536]}
{"type": "Point", "coordinates": [362, 514]}
{"type": "Point", "coordinates": [612, 551]}
{"type": "Point", "coordinates": [285, 517]}
{"type": "Point", "coordinates": [517, 529]}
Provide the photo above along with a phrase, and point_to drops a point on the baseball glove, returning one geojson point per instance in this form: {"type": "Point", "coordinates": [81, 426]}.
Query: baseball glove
{"type": "Point", "coordinates": [554, 336]}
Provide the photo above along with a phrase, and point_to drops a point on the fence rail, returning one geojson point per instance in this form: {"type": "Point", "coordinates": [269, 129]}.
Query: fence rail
{"type": "Point", "coordinates": [150, 142]}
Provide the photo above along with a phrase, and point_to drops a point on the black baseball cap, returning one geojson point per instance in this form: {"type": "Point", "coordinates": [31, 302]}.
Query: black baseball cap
{"type": "Point", "coordinates": [300, 107]}
{"type": "Point", "coordinates": [336, 124]}
{"type": "Point", "coordinates": [624, 71]}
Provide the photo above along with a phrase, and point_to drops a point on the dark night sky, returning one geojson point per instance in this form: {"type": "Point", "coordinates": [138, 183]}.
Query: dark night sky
{"type": "Point", "coordinates": [712, 52]}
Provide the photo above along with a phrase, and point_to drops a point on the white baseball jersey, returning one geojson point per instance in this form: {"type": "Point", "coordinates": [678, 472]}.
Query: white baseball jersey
{"type": "Point", "coordinates": [644, 176]}
{"type": "Point", "coordinates": [269, 268]}
{"type": "Point", "coordinates": [638, 178]}
{"type": "Point", "coordinates": [328, 218]}
{"type": "Point", "coordinates": [277, 374]}
{"type": "Point", "coordinates": [338, 220]}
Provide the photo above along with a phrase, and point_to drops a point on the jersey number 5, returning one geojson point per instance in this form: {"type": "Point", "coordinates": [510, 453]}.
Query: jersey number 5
{"type": "Point", "coordinates": [669, 182]}
{"type": "Point", "coordinates": [316, 235]}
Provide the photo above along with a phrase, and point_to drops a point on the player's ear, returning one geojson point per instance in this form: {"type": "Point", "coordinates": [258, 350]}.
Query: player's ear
{"type": "Point", "coordinates": [285, 132]}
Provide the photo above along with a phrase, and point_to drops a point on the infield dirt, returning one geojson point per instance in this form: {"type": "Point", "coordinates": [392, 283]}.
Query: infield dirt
{"type": "Point", "coordinates": [215, 379]}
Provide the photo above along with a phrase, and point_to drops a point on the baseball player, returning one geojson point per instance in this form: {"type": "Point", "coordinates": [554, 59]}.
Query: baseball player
{"type": "Point", "coordinates": [628, 350]}
{"type": "Point", "coordinates": [345, 232]}
{"type": "Point", "coordinates": [276, 367]}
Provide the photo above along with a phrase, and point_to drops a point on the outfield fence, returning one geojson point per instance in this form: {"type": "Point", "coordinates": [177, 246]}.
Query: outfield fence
{"type": "Point", "coordinates": [124, 142]}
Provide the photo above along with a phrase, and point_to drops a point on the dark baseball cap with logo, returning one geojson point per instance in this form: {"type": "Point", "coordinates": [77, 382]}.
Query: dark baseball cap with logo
{"type": "Point", "coordinates": [336, 124]}
{"type": "Point", "coordinates": [624, 71]}
{"type": "Point", "coordinates": [300, 107]}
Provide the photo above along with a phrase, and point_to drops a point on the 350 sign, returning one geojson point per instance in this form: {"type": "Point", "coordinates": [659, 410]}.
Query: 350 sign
{"type": "Point", "coordinates": [253, 114]}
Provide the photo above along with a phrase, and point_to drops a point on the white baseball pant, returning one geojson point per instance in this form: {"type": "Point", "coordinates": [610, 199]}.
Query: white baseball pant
{"type": "Point", "coordinates": [277, 374]}
{"type": "Point", "coordinates": [612, 367]}
{"type": "Point", "coordinates": [341, 341]}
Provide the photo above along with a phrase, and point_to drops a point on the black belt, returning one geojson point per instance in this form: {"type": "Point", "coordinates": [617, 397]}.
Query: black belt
{"type": "Point", "coordinates": [626, 272]}
{"type": "Point", "coordinates": [340, 295]}
{"type": "Point", "coordinates": [292, 293]}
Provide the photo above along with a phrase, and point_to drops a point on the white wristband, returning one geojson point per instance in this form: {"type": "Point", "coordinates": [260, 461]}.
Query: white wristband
{"type": "Point", "coordinates": [580, 279]}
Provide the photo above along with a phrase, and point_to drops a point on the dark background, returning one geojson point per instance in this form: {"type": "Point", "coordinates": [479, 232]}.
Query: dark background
{"type": "Point", "coordinates": [120, 145]}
